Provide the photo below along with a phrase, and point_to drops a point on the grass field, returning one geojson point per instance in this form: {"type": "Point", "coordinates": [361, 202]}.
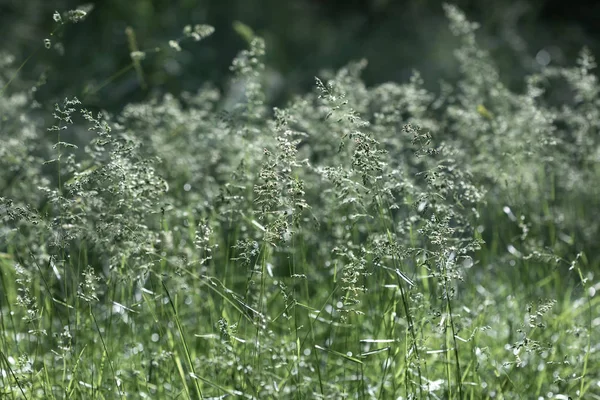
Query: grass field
{"type": "Point", "coordinates": [362, 242]}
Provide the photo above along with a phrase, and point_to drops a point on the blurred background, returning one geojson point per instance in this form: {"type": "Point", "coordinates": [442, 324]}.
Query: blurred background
{"type": "Point", "coordinates": [91, 59]}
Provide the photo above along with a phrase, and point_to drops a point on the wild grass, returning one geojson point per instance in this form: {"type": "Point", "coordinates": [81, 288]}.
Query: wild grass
{"type": "Point", "coordinates": [383, 242]}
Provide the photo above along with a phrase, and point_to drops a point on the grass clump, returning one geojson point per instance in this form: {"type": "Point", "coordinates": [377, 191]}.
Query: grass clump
{"type": "Point", "coordinates": [382, 242]}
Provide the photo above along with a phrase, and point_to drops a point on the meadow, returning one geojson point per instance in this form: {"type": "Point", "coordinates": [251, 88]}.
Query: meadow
{"type": "Point", "coordinates": [382, 242]}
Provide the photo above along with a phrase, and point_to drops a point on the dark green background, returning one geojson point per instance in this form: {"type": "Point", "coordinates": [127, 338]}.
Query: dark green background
{"type": "Point", "coordinates": [303, 37]}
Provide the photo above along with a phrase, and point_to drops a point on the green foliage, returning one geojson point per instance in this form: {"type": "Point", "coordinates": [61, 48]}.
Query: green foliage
{"type": "Point", "coordinates": [383, 242]}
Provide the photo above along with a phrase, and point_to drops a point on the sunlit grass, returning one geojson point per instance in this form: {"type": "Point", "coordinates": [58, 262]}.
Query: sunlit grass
{"type": "Point", "coordinates": [361, 243]}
